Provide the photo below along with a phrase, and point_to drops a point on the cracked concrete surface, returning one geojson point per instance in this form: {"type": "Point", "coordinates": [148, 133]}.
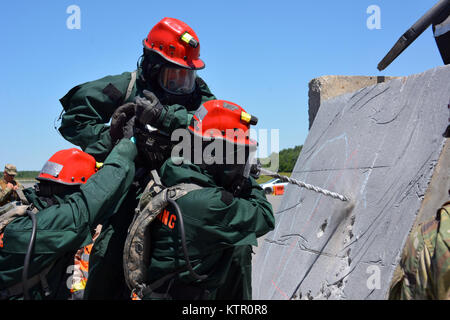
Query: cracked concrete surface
{"type": "Point", "coordinates": [327, 87]}
{"type": "Point", "coordinates": [379, 146]}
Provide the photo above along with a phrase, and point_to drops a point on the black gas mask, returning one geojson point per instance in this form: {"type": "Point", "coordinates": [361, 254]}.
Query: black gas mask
{"type": "Point", "coordinates": [229, 164]}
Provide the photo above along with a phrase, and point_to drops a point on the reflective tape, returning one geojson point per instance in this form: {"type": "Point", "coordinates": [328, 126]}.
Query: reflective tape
{"type": "Point", "coordinates": [52, 168]}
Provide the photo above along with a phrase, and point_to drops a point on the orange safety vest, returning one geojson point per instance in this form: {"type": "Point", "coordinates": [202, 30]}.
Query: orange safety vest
{"type": "Point", "coordinates": [81, 267]}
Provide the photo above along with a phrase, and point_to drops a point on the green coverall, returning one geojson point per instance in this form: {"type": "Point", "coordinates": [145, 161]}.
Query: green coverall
{"type": "Point", "coordinates": [66, 226]}
{"type": "Point", "coordinates": [88, 109]}
{"type": "Point", "coordinates": [220, 230]}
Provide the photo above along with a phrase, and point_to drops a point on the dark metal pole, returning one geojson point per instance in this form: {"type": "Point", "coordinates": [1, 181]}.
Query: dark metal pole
{"type": "Point", "coordinates": [416, 30]}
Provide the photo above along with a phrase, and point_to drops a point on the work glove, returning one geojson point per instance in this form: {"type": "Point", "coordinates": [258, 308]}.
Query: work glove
{"type": "Point", "coordinates": [255, 169]}
{"type": "Point", "coordinates": [242, 188]}
{"type": "Point", "coordinates": [122, 122]}
{"type": "Point", "coordinates": [148, 109]}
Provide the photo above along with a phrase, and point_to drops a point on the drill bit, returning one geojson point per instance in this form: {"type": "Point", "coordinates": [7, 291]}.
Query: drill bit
{"type": "Point", "coordinates": [304, 185]}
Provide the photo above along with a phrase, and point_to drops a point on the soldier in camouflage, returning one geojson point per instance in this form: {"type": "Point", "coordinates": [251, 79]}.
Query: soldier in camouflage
{"type": "Point", "coordinates": [9, 187]}
{"type": "Point", "coordinates": [424, 270]}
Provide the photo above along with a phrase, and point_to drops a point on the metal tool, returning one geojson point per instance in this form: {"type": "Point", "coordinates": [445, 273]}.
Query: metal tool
{"type": "Point", "coordinates": [304, 185]}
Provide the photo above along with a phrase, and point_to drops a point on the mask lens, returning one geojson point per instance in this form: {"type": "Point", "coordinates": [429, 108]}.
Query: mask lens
{"type": "Point", "coordinates": [177, 80]}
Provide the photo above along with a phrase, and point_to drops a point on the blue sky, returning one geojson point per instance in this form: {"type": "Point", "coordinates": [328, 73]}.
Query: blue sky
{"type": "Point", "coordinates": [259, 54]}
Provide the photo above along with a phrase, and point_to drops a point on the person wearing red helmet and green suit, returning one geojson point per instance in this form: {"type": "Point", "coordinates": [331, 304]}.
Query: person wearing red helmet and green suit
{"type": "Point", "coordinates": [199, 245]}
{"type": "Point", "coordinates": [166, 85]}
{"type": "Point", "coordinates": [71, 198]}
{"type": "Point", "coordinates": [167, 69]}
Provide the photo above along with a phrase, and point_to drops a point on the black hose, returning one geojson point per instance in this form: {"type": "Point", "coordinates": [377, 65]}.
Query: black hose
{"type": "Point", "coordinates": [26, 264]}
{"type": "Point", "coordinates": [183, 241]}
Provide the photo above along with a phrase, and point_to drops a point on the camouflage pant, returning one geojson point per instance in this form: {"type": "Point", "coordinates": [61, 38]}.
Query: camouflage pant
{"type": "Point", "coordinates": [424, 270]}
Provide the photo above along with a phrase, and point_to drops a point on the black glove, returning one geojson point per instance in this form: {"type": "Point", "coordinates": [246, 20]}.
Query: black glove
{"type": "Point", "coordinates": [122, 122]}
{"type": "Point", "coordinates": [243, 188]}
{"type": "Point", "coordinates": [148, 109]}
{"type": "Point", "coordinates": [255, 169]}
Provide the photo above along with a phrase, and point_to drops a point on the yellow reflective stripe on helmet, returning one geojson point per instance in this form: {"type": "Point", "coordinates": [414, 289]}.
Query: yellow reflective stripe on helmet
{"type": "Point", "coordinates": [186, 37]}
{"type": "Point", "coordinates": [245, 116]}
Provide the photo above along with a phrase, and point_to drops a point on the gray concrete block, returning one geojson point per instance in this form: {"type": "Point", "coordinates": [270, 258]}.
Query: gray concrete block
{"type": "Point", "coordinates": [327, 87]}
{"type": "Point", "coordinates": [380, 146]}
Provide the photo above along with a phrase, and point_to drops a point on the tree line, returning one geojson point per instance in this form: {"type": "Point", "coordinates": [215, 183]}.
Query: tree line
{"type": "Point", "coordinates": [26, 175]}
{"type": "Point", "coordinates": [287, 158]}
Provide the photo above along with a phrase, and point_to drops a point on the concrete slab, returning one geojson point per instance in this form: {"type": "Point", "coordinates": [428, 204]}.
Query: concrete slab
{"type": "Point", "coordinates": [380, 146]}
{"type": "Point", "coordinates": [275, 201]}
{"type": "Point", "coordinates": [327, 87]}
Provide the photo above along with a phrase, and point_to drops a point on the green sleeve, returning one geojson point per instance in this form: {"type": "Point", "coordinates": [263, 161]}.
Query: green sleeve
{"type": "Point", "coordinates": [251, 215]}
{"type": "Point", "coordinates": [173, 117]}
{"type": "Point", "coordinates": [88, 109]}
{"type": "Point", "coordinates": [65, 227]}
{"type": "Point", "coordinates": [228, 220]}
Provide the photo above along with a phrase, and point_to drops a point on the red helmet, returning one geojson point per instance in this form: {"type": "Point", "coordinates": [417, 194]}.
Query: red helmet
{"type": "Point", "coordinates": [230, 160]}
{"type": "Point", "coordinates": [69, 167]}
{"type": "Point", "coordinates": [220, 119]}
{"type": "Point", "coordinates": [176, 42]}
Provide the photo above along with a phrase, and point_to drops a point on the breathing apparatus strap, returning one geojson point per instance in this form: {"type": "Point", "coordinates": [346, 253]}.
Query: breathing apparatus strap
{"type": "Point", "coordinates": [22, 197]}
{"type": "Point", "coordinates": [17, 289]}
{"type": "Point", "coordinates": [137, 245]}
{"type": "Point", "coordinates": [130, 85]}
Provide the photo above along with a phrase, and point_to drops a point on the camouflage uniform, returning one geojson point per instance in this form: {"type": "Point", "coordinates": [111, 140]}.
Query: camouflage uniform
{"type": "Point", "coordinates": [8, 194]}
{"type": "Point", "coordinates": [424, 271]}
